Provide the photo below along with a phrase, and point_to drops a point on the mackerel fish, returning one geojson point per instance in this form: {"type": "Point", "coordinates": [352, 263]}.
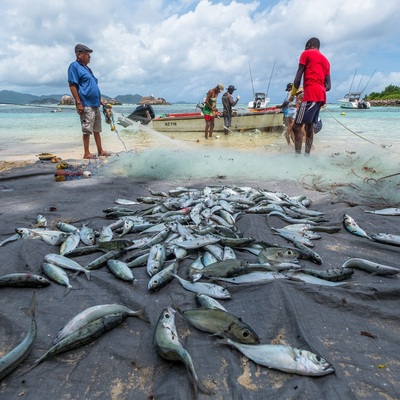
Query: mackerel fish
{"type": "Point", "coordinates": [284, 358]}
{"type": "Point", "coordinates": [93, 313]}
{"type": "Point", "coordinates": [222, 323]}
{"type": "Point", "coordinates": [84, 335]}
{"type": "Point", "coordinates": [23, 279]}
{"type": "Point", "coordinates": [11, 360]}
{"type": "Point", "coordinates": [169, 347]}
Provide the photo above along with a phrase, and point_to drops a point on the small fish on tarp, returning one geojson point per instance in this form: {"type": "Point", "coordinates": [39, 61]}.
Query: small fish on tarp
{"type": "Point", "coordinates": [126, 202]}
{"type": "Point", "coordinates": [370, 266]}
{"type": "Point", "coordinates": [11, 360]}
{"type": "Point", "coordinates": [23, 280]}
{"type": "Point", "coordinates": [392, 211]}
{"type": "Point", "coordinates": [351, 226]}
{"type": "Point", "coordinates": [169, 347]}
{"type": "Point", "coordinates": [221, 322]}
{"type": "Point", "coordinates": [284, 358]}
{"type": "Point", "coordinates": [386, 238]}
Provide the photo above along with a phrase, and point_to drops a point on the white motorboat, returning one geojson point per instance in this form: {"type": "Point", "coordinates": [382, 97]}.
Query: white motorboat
{"type": "Point", "coordinates": [260, 101]}
{"type": "Point", "coordinates": [353, 100]}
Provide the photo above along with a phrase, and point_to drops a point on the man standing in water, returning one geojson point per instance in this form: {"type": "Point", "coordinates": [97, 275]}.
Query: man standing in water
{"type": "Point", "coordinates": [316, 82]}
{"type": "Point", "coordinates": [210, 109]}
{"type": "Point", "coordinates": [85, 90]}
{"type": "Point", "coordinates": [228, 103]}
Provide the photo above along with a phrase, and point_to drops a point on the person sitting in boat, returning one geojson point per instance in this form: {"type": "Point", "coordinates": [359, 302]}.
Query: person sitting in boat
{"type": "Point", "coordinates": [228, 103]}
{"type": "Point", "coordinates": [257, 103]}
{"type": "Point", "coordinates": [210, 109]}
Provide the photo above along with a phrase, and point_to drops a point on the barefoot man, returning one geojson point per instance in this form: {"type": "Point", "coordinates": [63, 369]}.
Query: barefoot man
{"type": "Point", "coordinates": [85, 90]}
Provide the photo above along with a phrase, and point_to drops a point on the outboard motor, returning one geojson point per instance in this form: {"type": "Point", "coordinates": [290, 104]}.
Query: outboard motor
{"type": "Point", "coordinates": [143, 114]}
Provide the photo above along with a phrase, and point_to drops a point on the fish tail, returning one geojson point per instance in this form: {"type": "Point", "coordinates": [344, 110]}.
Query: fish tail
{"type": "Point", "coordinates": [67, 290]}
{"type": "Point", "coordinates": [87, 273]}
{"type": "Point", "coordinates": [141, 313]}
{"type": "Point", "coordinates": [31, 311]}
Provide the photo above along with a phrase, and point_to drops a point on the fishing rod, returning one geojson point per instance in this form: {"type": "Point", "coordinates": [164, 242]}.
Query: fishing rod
{"type": "Point", "coordinates": [251, 77]}
{"type": "Point", "coordinates": [354, 76]}
{"type": "Point", "coordinates": [273, 67]}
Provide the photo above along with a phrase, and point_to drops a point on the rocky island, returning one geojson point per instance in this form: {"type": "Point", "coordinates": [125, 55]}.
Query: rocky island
{"type": "Point", "coordinates": [151, 100]}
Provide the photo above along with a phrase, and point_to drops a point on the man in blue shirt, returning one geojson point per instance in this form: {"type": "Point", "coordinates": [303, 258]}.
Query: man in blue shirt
{"type": "Point", "coordinates": [85, 90]}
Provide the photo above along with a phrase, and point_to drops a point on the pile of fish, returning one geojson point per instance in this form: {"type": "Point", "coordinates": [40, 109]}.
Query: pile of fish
{"type": "Point", "coordinates": [192, 236]}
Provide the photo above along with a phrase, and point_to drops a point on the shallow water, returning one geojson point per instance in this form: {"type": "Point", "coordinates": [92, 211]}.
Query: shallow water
{"type": "Point", "coordinates": [353, 145]}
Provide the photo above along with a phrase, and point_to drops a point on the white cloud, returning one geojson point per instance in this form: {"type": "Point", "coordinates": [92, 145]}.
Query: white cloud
{"type": "Point", "coordinates": [179, 49]}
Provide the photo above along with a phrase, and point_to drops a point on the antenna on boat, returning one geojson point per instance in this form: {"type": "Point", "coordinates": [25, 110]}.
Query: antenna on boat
{"type": "Point", "coordinates": [251, 77]}
{"type": "Point", "coordinates": [269, 82]}
{"type": "Point", "coordinates": [369, 81]}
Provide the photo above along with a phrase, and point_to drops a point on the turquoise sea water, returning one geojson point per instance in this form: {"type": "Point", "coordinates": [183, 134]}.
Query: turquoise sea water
{"type": "Point", "coordinates": [353, 145]}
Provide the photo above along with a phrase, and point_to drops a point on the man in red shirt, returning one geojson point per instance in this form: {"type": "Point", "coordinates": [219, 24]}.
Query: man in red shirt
{"type": "Point", "coordinates": [316, 82]}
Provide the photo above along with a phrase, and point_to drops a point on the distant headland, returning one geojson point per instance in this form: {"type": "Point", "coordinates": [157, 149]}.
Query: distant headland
{"type": "Point", "coordinates": [11, 97]}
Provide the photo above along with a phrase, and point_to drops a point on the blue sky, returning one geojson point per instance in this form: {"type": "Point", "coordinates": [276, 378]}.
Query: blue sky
{"type": "Point", "coordinates": [178, 49]}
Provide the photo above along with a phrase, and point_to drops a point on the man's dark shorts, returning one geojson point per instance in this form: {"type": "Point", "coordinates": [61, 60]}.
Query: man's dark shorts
{"type": "Point", "coordinates": [308, 112]}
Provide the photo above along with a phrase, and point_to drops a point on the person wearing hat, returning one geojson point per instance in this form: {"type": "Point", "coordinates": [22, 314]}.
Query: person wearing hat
{"type": "Point", "coordinates": [210, 109]}
{"type": "Point", "coordinates": [228, 103]}
{"type": "Point", "coordinates": [314, 68]}
{"type": "Point", "coordinates": [85, 90]}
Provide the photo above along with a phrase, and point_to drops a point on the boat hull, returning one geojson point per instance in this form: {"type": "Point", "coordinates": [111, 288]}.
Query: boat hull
{"type": "Point", "coordinates": [263, 121]}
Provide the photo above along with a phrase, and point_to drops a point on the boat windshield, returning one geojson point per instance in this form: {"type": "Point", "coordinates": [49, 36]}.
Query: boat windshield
{"type": "Point", "coordinates": [260, 96]}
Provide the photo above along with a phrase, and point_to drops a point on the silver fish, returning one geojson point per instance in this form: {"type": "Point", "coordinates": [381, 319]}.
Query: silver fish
{"type": "Point", "coordinates": [57, 274]}
{"type": "Point", "coordinates": [198, 242]}
{"type": "Point", "coordinates": [126, 202]}
{"type": "Point", "coordinates": [168, 346]}
{"type": "Point", "coordinates": [93, 313]}
{"type": "Point", "coordinates": [351, 226]}
{"type": "Point", "coordinates": [156, 259]}
{"type": "Point", "coordinates": [84, 335]}
{"type": "Point", "coordinates": [106, 234]}
{"type": "Point", "coordinates": [66, 263]}
{"type": "Point", "coordinates": [67, 228]}
{"type": "Point", "coordinates": [162, 277]}
{"type": "Point", "coordinates": [41, 221]}
{"type": "Point", "coordinates": [10, 239]}
{"type": "Point", "coordinates": [370, 266]}
{"type": "Point", "coordinates": [23, 279]}
{"type": "Point", "coordinates": [208, 302]}
{"type": "Point", "coordinates": [301, 276]}
{"type": "Point", "coordinates": [11, 360]}
{"type": "Point", "coordinates": [284, 358]}
{"type": "Point", "coordinates": [386, 238]}
{"type": "Point", "coordinates": [282, 254]}
{"type": "Point", "coordinates": [87, 235]}
{"type": "Point", "coordinates": [212, 290]}
{"type": "Point", "coordinates": [254, 277]}
{"type": "Point", "coordinates": [71, 243]}
{"type": "Point", "coordinates": [120, 270]}
{"type": "Point", "coordinates": [386, 211]}
{"type": "Point", "coordinates": [221, 323]}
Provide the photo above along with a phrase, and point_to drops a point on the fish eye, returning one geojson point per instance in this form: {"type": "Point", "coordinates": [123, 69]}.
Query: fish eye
{"type": "Point", "coordinates": [246, 333]}
{"type": "Point", "coordinates": [318, 358]}
{"type": "Point", "coordinates": [167, 315]}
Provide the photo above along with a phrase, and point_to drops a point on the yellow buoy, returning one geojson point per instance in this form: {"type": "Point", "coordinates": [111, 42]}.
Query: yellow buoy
{"type": "Point", "coordinates": [343, 113]}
